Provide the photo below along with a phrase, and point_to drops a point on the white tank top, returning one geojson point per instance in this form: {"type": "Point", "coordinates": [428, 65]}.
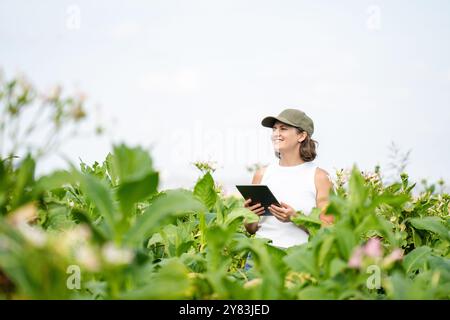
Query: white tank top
{"type": "Point", "coordinates": [295, 186]}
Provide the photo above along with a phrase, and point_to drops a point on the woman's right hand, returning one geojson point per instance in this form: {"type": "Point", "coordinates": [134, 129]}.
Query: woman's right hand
{"type": "Point", "coordinates": [257, 208]}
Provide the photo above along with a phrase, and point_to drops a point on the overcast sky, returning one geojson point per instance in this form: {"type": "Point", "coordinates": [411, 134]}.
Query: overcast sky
{"type": "Point", "coordinates": [193, 79]}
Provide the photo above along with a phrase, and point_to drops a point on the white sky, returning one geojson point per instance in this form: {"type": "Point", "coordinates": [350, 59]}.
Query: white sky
{"type": "Point", "coordinates": [193, 79]}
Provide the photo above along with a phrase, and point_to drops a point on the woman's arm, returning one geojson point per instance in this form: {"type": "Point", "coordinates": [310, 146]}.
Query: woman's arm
{"type": "Point", "coordinates": [257, 177]}
{"type": "Point", "coordinates": [323, 187]}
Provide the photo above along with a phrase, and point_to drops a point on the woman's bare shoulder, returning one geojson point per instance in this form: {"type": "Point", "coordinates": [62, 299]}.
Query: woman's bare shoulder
{"type": "Point", "coordinates": [259, 173]}
{"type": "Point", "coordinates": [322, 175]}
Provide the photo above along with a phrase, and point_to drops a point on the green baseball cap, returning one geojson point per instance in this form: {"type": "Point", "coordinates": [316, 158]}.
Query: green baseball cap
{"type": "Point", "coordinates": [292, 117]}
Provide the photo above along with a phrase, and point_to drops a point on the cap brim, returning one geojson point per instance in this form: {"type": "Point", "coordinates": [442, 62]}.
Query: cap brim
{"type": "Point", "coordinates": [270, 121]}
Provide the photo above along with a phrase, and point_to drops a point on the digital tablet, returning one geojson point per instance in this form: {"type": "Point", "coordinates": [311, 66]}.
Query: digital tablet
{"type": "Point", "coordinates": [259, 194]}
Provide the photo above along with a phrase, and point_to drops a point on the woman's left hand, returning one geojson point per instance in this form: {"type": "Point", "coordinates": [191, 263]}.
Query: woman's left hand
{"type": "Point", "coordinates": [283, 213]}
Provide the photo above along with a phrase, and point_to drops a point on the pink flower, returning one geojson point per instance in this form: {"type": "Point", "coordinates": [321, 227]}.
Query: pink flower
{"type": "Point", "coordinates": [356, 258]}
{"type": "Point", "coordinates": [373, 248]}
{"type": "Point", "coordinates": [395, 255]}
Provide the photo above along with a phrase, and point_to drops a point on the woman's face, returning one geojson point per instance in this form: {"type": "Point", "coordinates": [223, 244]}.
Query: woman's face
{"type": "Point", "coordinates": [285, 137]}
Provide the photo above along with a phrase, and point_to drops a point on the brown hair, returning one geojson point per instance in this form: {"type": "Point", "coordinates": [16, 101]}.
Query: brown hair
{"type": "Point", "coordinates": [307, 148]}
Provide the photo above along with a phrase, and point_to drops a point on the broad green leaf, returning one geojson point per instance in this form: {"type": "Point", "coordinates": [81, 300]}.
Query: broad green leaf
{"type": "Point", "coordinates": [386, 228]}
{"type": "Point", "coordinates": [195, 261]}
{"type": "Point", "coordinates": [131, 170]}
{"type": "Point", "coordinates": [401, 287]}
{"type": "Point", "coordinates": [232, 202]}
{"type": "Point", "coordinates": [172, 281]}
{"type": "Point", "coordinates": [98, 233]}
{"type": "Point", "coordinates": [393, 200]}
{"type": "Point", "coordinates": [398, 287]}
{"type": "Point", "coordinates": [100, 195]}
{"type": "Point", "coordinates": [325, 249]}
{"type": "Point", "coordinates": [112, 169]}
{"type": "Point", "coordinates": [357, 191]}
{"type": "Point", "coordinates": [346, 240]}
{"type": "Point", "coordinates": [130, 164]}
{"type": "Point", "coordinates": [416, 259]}
{"type": "Point", "coordinates": [205, 191]}
{"type": "Point", "coordinates": [336, 266]}
{"type": "Point", "coordinates": [269, 265]}
{"type": "Point", "coordinates": [156, 238]}
{"type": "Point", "coordinates": [441, 265]}
{"type": "Point", "coordinates": [302, 260]}
{"type": "Point", "coordinates": [247, 215]}
{"type": "Point", "coordinates": [54, 180]}
{"type": "Point", "coordinates": [218, 236]}
{"type": "Point", "coordinates": [417, 240]}
{"type": "Point", "coordinates": [337, 206]}
{"type": "Point", "coordinates": [314, 293]}
{"type": "Point", "coordinates": [184, 247]}
{"type": "Point", "coordinates": [58, 219]}
{"type": "Point", "coordinates": [130, 193]}
{"type": "Point", "coordinates": [97, 288]}
{"type": "Point", "coordinates": [171, 204]}
{"type": "Point", "coordinates": [433, 224]}
{"type": "Point", "coordinates": [368, 223]}
{"type": "Point", "coordinates": [311, 223]}
{"type": "Point", "coordinates": [24, 178]}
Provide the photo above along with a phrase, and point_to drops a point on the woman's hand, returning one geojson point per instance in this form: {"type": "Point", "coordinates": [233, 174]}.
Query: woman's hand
{"type": "Point", "coordinates": [283, 213]}
{"type": "Point", "coordinates": [257, 208]}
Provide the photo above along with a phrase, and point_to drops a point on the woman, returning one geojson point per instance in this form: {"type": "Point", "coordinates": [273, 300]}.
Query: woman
{"type": "Point", "coordinates": [294, 179]}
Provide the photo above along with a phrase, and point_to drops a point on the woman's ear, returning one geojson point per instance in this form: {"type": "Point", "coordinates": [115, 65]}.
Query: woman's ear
{"type": "Point", "coordinates": [302, 137]}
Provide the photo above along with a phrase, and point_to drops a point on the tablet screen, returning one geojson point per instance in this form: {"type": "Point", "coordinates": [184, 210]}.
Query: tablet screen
{"type": "Point", "coordinates": [259, 194]}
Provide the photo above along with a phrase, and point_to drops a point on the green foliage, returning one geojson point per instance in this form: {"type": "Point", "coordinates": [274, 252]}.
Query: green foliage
{"type": "Point", "coordinates": [130, 240]}
{"type": "Point", "coordinates": [432, 224]}
{"type": "Point", "coordinates": [16, 183]}
{"type": "Point", "coordinates": [163, 208]}
{"type": "Point", "coordinates": [205, 191]}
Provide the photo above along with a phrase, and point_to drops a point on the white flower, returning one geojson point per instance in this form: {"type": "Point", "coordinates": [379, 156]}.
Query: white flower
{"type": "Point", "coordinates": [80, 233]}
{"type": "Point", "coordinates": [24, 214]}
{"type": "Point", "coordinates": [68, 242]}
{"type": "Point", "coordinates": [115, 255]}
{"type": "Point", "coordinates": [33, 235]}
{"type": "Point", "coordinates": [87, 257]}
{"type": "Point", "coordinates": [53, 94]}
